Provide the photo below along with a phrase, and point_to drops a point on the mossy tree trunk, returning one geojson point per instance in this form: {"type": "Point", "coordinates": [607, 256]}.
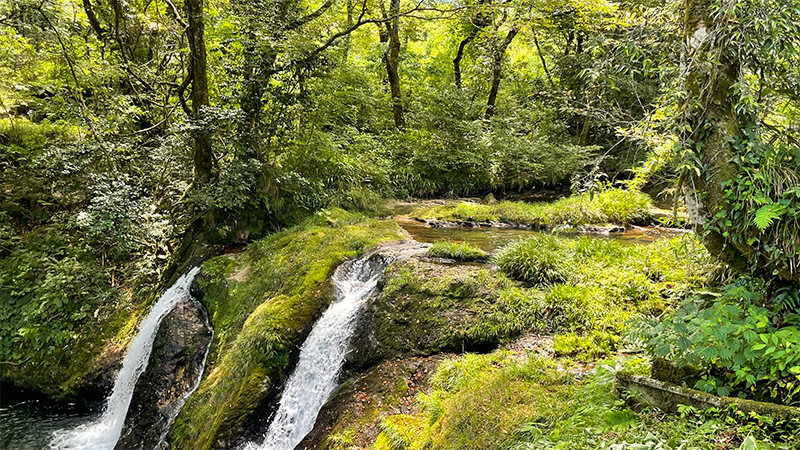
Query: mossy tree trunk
{"type": "Point", "coordinates": [201, 143]}
{"type": "Point", "coordinates": [709, 125]}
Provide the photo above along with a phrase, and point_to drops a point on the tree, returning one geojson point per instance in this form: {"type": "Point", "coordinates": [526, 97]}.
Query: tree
{"type": "Point", "coordinates": [201, 143]}
{"type": "Point", "coordinates": [740, 182]}
{"type": "Point", "coordinates": [390, 34]}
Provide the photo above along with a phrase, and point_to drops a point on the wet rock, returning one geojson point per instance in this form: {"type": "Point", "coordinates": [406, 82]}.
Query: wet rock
{"type": "Point", "coordinates": [175, 365]}
{"type": "Point", "coordinates": [358, 406]}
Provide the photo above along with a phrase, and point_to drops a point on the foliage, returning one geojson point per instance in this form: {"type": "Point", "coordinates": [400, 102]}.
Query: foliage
{"type": "Point", "coordinates": [457, 251]}
{"type": "Point", "coordinates": [761, 205]}
{"type": "Point", "coordinates": [607, 206]}
{"type": "Point", "coordinates": [743, 347]}
{"type": "Point", "coordinates": [503, 400]}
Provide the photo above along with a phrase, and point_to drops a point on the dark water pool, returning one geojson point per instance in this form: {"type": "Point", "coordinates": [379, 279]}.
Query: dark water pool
{"type": "Point", "coordinates": [27, 420]}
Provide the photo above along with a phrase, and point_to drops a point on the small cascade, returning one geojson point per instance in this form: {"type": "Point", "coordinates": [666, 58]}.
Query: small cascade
{"type": "Point", "coordinates": [321, 357]}
{"type": "Point", "coordinates": [103, 433]}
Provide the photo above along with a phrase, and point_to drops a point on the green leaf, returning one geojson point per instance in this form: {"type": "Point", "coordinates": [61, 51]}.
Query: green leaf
{"type": "Point", "coordinates": [749, 444]}
{"type": "Point", "coordinates": [766, 214]}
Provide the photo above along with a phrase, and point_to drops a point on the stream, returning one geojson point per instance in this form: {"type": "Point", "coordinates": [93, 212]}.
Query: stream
{"type": "Point", "coordinates": [321, 357]}
{"type": "Point", "coordinates": [31, 423]}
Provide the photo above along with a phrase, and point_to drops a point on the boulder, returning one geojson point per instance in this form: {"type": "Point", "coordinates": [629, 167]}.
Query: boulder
{"type": "Point", "coordinates": [176, 364]}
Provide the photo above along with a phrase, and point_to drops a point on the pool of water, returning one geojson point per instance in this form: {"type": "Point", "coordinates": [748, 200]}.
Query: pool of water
{"type": "Point", "coordinates": [27, 421]}
{"type": "Point", "coordinates": [490, 239]}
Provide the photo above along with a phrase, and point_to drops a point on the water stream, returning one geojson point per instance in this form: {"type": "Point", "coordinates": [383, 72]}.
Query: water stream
{"type": "Point", "coordinates": [321, 357]}
{"type": "Point", "coordinates": [103, 433]}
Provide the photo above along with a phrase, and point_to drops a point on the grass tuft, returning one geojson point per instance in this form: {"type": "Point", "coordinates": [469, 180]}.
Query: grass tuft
{"type": "Point", "coordinates": [540, 259]}
{"type": "Point", "coordinates": [457, 251]}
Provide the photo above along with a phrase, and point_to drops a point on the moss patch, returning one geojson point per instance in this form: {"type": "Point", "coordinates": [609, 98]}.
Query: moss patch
{"type": "Point", "coordinates": [261, 303]}
{"type": "Point", "coordinates": [427, 308]}
{"type": "Point", "coordinates": [352, 418]}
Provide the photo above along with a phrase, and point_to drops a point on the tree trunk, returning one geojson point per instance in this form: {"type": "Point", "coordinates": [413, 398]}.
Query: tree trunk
{"type": "Point", "coordinates": [201, 145]}
{"type": "Point", "coordinates": [392, 59]}
{"type": "Point", "coordinates": [541, 56]}
{"type": "Point", "coordinates": [497, 71]}
{"type": "Point", "coordinates": [460, 56]}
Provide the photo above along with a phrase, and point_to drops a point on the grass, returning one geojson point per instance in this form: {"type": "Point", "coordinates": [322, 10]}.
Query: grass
{"type": "Point", "coordinates": [260, 304]}
{"type": "Point", "coordinates": [609, 206]}
{"type": "Point", "coordinates": [457, 251]}
{"type": "Point", "coordinates": [499, 401]}
{"type": "Point", "coordinates": [590, 287]}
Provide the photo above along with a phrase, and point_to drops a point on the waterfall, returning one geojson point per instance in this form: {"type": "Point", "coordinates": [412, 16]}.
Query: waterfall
{"type": "Point", "coordinates": [321, 357]}
{"type": "Point", "coordinates": [103, 433]}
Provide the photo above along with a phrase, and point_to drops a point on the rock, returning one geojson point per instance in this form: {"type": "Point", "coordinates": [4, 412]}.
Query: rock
{"type": "Point", "coordinates": [489, 199]}
{"type": "Point", "coordinates": [668, 396]}
{"type": "Point", "coordinates": [175, 365]}
{"type": "Point", "coordinates": [359, 405]}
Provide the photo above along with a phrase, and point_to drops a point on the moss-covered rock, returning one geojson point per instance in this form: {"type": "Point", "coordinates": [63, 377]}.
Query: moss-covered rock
{"type": "Point", "coordinates": [353, 415]}
{"type": "Point", "coordinates": [426, 308]}
{"type": "Point", "coordinates": [262, 303]}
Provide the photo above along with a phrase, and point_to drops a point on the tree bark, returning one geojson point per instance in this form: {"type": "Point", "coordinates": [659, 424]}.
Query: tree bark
{"type": "Point", "coordinates": [460, 56]}
{"type": "Point", "coordinates": [392, 60]}
{"type": "Point", "coordinates": [201, 145]}
{"type": "Point", "coordinates": [541, 56]}
{"type": "Point", "coordinates": [497, 71]}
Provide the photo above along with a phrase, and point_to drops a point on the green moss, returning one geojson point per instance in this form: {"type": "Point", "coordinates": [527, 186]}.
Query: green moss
{"type": "Point", "coordinates": [261, 303]}
{"type": "Point", "coordinates": [427, 308]}
{"type": "Point", "coordinates": [608, 206]}
{"type": "Point", "coordinates": [457, 251]}
{"type": "Point", "coordinates": [595, 345]}
{"type": "Point", "coordinates": [509, 401]}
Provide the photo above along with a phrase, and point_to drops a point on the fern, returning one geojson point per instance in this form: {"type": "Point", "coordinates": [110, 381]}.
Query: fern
{"type": "Point", "coordinates": [766, 214]}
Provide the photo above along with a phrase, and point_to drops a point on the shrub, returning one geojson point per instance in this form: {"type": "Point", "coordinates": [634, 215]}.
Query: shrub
{"type": "Point", "coordinates": [540, 259]}
{"type": "Point", "coordinates": [743, 346]}
{"type": "Point", "coordinates": [457, 251]}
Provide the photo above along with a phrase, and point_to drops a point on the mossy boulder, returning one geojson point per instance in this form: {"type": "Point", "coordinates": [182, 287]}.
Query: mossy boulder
{"type": "Point", "coordinates": [353, 415]}
{"type": "Point", "coordinates": [427, 308]}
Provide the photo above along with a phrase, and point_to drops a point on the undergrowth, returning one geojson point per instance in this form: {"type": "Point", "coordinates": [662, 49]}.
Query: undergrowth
{"type": "Point", "coordinates": [589, 287]}
{"type": "Point", "coordinates": [607, 206]}
{"type": "Point", "coordinates": [498, 401]}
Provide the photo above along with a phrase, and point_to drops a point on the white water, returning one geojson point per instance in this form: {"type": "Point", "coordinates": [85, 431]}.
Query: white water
{"type": "Point", "coordinates": [321, 358]}
{"type": "Point", "coordinates": [104, 433]}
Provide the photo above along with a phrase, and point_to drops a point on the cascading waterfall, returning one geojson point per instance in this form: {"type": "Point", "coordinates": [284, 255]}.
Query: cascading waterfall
{"type": "Point", "coordinates": [104, 433]}
{"type": "Point", "coordinates": [321, 357]}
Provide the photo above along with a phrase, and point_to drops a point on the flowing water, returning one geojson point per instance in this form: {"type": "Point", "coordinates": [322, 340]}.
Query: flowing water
{"type": "Point", "coordinates": [321, 357]}
{"type": "Point", "coordinates": [103, 433]}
